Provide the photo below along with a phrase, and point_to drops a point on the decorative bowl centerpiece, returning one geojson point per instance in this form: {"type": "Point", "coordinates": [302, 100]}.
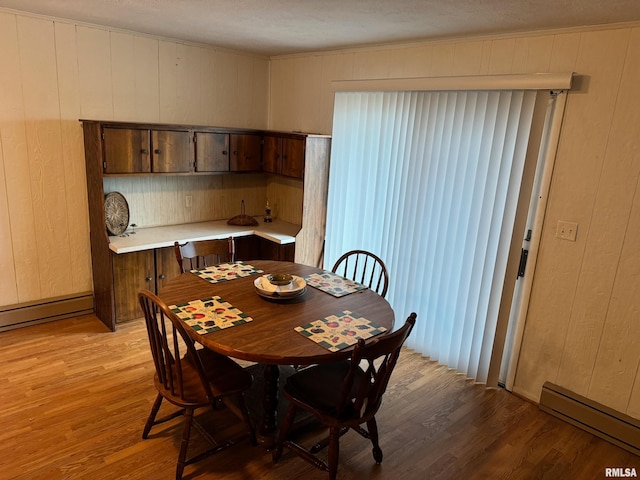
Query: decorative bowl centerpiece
{"type": "Point", "coordinates": [280, 279]}
{"type": "Point", "coordinates": [280, 286]}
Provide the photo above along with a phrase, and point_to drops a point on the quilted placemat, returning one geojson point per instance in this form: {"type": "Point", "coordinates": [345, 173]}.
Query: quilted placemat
{"type": "Point", "coordinates": [226, 271]}
{"type": "Point", "coordinates": [339, 331]}
{"type": "Point", "coordinates": [209, 314]}
{"type": "Point", "coordinates": [333, 284]}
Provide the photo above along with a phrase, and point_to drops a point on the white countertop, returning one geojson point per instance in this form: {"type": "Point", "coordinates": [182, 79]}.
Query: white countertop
{"type": "Point", "coordinates": [158, 237]}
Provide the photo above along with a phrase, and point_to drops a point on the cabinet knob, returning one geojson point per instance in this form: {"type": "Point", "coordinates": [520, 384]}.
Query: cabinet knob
{"type": "Point", "coordinates": [224, 152]}
{"type": "Point", "coordinates": [144, 151]}
{"type": "Point", "coordinates": [161, 277]}
{"type": "Point", "coordinates": [149, 279]}
{"type": "Point", "coordinates": [157, 151]}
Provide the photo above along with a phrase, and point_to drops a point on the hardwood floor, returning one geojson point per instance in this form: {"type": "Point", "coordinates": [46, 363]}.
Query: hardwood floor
{"type": "Point", "coordinates": [75, 398]}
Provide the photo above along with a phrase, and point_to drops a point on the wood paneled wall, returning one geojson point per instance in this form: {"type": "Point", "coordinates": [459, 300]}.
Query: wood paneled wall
{"type": "Point", "coordinates": [582, 329]}
{"type": "Point", "coordinates": [55, 72]}
{"type": "Point", "coordinates": [285, 198]}
{"type": "Point", "coordinates": [583, 325]}
{"type": "Point", "coordinates": [161, 200]}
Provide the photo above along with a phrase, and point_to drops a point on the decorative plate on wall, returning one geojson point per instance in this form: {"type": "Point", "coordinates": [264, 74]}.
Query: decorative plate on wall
{"type": "Point", "coordinates": [116, 212]}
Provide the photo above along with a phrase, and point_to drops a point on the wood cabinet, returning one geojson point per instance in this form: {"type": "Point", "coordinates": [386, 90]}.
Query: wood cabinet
{"type": "Point", "coordinates": [138, 150]}
{"type": "Point", "coordinates": [227, 152]}
{"type": "Point", "coordinates": [166, 266]}
{"type": "Point", "coordinates": [247, 248]}
{"type": "Point", "coordinates": [310, 239]}
{"type": "Point", "coordinates": [132, 272]}
{"type": "Point", "coordinates": [126, 150]}
{"type": "Point", "coordinates": [142, 150]}
{"type": "Point", "coordinates": [271, 151]}
{"type": "Point", "coordinates": [171, 151]}
{"type": "Point", "coordinates": [212, 152]}
{"type": "Point", "coordinates": [283, 155]}
{"type": "Point", "coordinates": [254, 247]}
{"type": "Point", "coordinates": [135, 271]}
{"type": "Point", "coordinates": [151, 269]}
{"type": "Point", "coordinates": [246, 152]}
{"type": "Point", "coordinates": [274, 251]}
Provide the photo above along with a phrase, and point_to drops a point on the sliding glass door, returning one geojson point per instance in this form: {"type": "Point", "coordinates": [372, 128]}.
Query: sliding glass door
{"type": "Point", "coordinates": [432, 182]}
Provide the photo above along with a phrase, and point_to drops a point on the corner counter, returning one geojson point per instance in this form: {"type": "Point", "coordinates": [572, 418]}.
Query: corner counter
{"type": "Point", "coordinates": [282, 233]}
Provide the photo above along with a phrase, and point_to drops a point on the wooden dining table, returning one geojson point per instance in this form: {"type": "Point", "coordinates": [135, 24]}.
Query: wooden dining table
{"type": "Point", "coordinates": [269, 338]}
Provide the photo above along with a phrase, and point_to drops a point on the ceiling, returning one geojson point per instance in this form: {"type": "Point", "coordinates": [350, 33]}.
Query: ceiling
{"type": "Point", "coordinates": [275, 27]}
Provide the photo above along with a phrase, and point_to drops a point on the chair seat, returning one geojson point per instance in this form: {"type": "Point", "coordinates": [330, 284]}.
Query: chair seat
{"type": "Point", "coordinates": [319, 387]}
{"type": "Point", "coordinates": [343, 397]}
{"type": "Point", "coordinates": [193, 394]}
{"type": "Point", "coordinates": [225, 375]}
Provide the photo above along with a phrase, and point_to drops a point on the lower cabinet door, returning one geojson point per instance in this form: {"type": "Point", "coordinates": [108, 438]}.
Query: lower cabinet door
{"type": "Point", "coordinates": [274, 251]}
{"type": "Point", "coordinates": [150, 269]}
{"type": "Point", "coordinates": [258, 248]}
{"type": "Point", "coordinates": [247, 248]}
{"type": "Point", "coordinates": [166, 266]}
{"type": "Point", "coordinates": [132, 272]}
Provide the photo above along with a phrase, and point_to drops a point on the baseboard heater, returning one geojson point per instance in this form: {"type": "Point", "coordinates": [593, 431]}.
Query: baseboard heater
{"type": "Point", "coordinates": [604, 422]}
{"type": "Point", "coordinates": [46, 310]}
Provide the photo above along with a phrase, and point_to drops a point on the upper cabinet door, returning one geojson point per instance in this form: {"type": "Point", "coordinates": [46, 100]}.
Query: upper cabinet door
{"type": "Point", "coordinates": [293, 157]}
{"type": "Point", "coordinates": [246, 151]}
{"type": "Point", "coordinates": [172, 151]}
{"type": "Point", "coordinates": [212, 152]}
{"type": "Point", "coordinates": [126, 150]}
{"type": "Point", "coordinates": [132, 150]}
{"type": "Point", "coordinates": [283, 155]}
{"type": "Point", "coordinates": [272, 154]}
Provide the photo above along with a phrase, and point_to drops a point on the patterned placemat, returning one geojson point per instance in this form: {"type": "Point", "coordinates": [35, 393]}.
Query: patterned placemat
{"type": "Point", "coordinates": [340, 331]}
{"type": "Point", "coordinates": [209, 314]}
{"type": "Point", "coordinates": [333, 284]}
{"type": "Point", "coordinates": [226, 271]}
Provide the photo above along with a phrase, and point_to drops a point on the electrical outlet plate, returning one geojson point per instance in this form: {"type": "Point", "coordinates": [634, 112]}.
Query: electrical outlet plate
{"type": "Point", "coordinates": [567, 230]}
{"type": "Point", "coordinates": [188, 199]}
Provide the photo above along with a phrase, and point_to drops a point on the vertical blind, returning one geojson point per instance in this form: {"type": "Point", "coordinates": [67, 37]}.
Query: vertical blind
{"type": "Point", "coordinates": [429, 182]}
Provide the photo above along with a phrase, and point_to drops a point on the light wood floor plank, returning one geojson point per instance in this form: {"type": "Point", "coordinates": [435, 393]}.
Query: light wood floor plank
{"type": "Point", "coordinates": [75, 398]}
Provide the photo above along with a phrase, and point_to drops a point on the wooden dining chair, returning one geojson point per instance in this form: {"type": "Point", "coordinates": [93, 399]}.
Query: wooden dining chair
{"type": "Point", "coordinates": [365, 268]}
{"type": "Point", "coordinates": [204, 253]}
{"type": "Point", "coordinates": [190, 379]}
{"type": "Point", "coordinates": [343, 396]}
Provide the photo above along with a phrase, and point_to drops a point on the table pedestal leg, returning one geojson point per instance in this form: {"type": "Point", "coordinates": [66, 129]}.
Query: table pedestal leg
{"type": "Point", "coordinates": [267, 431]}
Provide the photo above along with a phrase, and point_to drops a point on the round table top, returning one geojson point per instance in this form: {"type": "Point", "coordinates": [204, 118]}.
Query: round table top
{"type": "Point", "coordinates": [270, 337]}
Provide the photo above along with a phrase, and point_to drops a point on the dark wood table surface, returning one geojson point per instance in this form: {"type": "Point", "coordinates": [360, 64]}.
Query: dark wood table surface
{"type": "Point", "coordinates": [270, 338]}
